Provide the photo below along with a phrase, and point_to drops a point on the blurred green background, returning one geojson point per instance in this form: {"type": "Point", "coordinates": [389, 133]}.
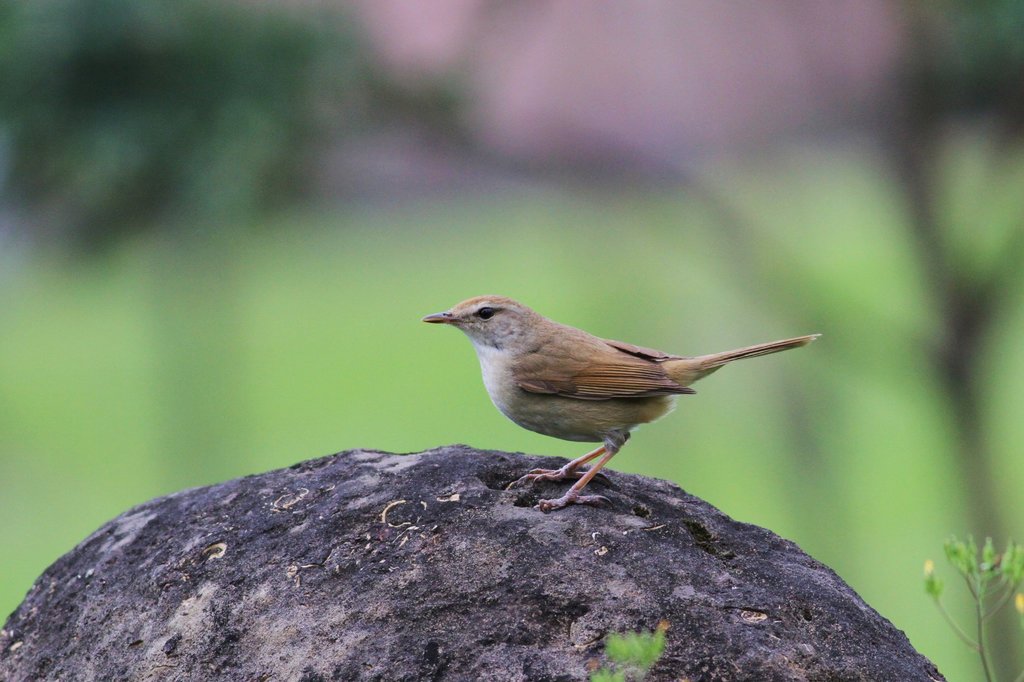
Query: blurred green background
{"type": "Point", "coordinates": [221, 226]}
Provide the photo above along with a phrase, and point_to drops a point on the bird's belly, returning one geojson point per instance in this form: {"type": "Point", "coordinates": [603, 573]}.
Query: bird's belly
{"type": "Point", "coordinates": [580, 420]}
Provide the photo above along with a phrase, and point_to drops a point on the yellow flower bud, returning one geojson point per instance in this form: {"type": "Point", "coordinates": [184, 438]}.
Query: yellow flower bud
{"type": "Point", "coordinates": [929, 567]}
{"type": "Point", "coordinates": [1018, 603]}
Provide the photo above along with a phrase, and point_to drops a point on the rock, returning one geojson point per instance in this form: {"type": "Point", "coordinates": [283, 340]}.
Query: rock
{"type": "Point", "coordinates": [373, 566]}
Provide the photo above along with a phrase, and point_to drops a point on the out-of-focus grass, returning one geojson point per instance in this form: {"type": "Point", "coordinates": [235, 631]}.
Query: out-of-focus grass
{"type": "Point", "coordinates": [156, 367]}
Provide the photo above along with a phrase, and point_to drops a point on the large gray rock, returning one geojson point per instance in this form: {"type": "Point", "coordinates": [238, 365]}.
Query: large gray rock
{"type": "Point", "coordinates": [372, 566]}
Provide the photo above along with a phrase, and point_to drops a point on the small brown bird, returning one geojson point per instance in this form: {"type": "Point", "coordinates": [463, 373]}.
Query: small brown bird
{"type": "Point", "coordinates": [563, 382]}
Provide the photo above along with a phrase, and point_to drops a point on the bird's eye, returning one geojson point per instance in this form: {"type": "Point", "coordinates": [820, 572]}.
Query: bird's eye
{"type": "Point", "coordinates": [485, 313]}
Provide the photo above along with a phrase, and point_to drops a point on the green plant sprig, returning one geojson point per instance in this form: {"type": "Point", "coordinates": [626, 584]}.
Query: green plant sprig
{"type": "Point", "coordinates": [992, 579]}
{"type": "Point", "coordinates": [631, 655]}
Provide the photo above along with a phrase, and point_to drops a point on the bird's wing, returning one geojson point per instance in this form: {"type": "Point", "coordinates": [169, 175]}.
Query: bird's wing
{"type": "Point", "coordinates": [640, 351]}
{"type": "Point", "coordinates": [607, 372]}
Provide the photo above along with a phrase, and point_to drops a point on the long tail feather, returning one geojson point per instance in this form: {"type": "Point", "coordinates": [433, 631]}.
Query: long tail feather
{"type": "Point", "coordinates": [687, 370]}
{"type": "Point", "coordinates": [719, 359]}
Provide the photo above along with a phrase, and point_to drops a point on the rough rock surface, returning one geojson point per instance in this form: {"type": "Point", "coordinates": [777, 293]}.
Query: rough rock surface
{"type": "Point", "coordinates": [372, 566]}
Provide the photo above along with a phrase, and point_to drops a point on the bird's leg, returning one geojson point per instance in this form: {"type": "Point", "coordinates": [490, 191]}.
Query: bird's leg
{"type": "Point", "coordinates": [567, 471]}
{"type": "Point", "coordinates": [572, 496]}
{"type": "Point", "coordinates": [612, 444]}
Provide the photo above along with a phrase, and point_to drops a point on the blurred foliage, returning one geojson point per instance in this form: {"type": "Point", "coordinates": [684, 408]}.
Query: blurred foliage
{"type": "Point", "coordinates": [125, 115]}
{"type": "Point", "coordinates": [980, 55]}
{"type": "Point", "coordinates": [963, 67]}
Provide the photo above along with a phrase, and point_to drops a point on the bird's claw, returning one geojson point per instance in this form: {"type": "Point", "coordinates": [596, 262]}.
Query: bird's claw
{"type": "Point", "coordinates": [553, 475]}
{"type": "Point", "coordinates": [540, 475]}
{"type": "Point", "coordinates": [572, 498]}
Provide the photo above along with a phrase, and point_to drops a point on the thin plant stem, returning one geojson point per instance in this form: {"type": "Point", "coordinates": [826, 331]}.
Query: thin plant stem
{"type": "Point", "coordinates": [964, 637]}
{"type": "Point", "coordinates": [975, 591]}
{"type": "Point", "coordinates": [1007, 593]}
{"type": "Point", "coordinates": [979, 614]}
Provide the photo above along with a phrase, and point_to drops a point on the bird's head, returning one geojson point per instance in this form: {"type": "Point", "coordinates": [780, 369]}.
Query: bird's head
{"type": "Point", "coordinates": [492, 322]}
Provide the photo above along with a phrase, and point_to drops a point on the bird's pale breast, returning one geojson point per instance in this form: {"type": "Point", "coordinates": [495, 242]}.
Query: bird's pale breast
{"type": "Point", "coordinates": [560, 416]}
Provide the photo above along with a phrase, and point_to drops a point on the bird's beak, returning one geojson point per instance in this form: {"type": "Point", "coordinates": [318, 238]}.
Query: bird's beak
{"type": "Point", "coordinates": [440, 318]}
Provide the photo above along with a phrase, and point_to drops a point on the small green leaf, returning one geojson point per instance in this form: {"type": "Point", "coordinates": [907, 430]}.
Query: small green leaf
{"type": "Point", "coordinates": [962, 555]}
{"type": "Point", "coordinates": [1013, 564]}
{"type": "Point", "coordinates": [606, 675]}
{"type": "Point", "coordinates": [625, 648]}
{"type": "Point", "coordinates": [971, 556]}
{"type": "Point", "coordinates": [932, 585]}
{"type": "Point", "coordinates": [639, 650]}
{"type": "Point", "coordinates": [955, 551]}
{"type": "Point", "coordinates": [989, 558]}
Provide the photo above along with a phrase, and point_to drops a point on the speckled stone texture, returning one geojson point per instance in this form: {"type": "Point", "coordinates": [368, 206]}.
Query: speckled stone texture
{"type": "Point", "coordinates": [373, 566]}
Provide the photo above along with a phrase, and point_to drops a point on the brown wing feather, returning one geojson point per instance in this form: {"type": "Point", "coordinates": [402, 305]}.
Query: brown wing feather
{"type": "Point", "coordinates": [609, 372]}
{"type": "Point", "coordinates": [640, 351]}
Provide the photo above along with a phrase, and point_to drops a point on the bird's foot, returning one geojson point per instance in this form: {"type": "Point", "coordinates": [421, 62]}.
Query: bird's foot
{"type": "Point", "coordinates": [545, 475]}
{"type": "Point", "coordinates": [565, 473]}
{"type": "Point", "coordinates": [572, 497]}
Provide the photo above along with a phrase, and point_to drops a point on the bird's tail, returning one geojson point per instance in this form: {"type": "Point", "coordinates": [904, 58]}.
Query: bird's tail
{"type": "Point", "coordinates": [687, 370]}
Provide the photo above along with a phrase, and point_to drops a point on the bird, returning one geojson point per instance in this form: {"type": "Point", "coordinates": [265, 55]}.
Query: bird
{"type": "Point", "coordinates": [561, 381]}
